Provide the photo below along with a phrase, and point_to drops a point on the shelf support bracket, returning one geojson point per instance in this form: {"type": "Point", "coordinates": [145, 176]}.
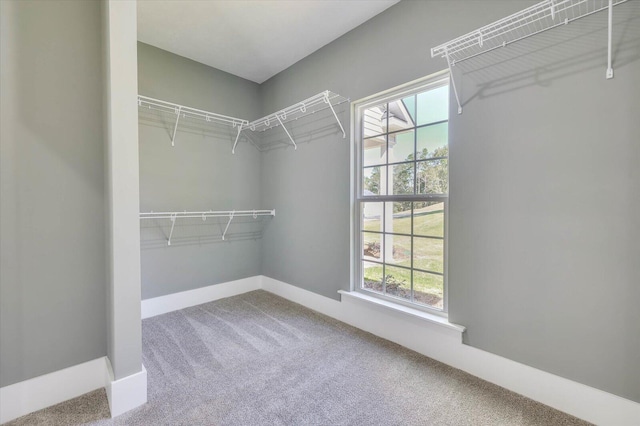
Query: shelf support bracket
{"type": "Point", "coordinates": [610, 36]}
{"type": "Point", "coordinates": [224, 234]}
{"type": "Point", "coordinates": [453, 81]}
{"type": "Point", "coordinates": [326, 99]}
{"type": "Point", "coordinates": [233, 151]}
{"type": "Point", "coordinates": [286, 131]}
{"type": "Point", "coordinates": [175, 128]}
{"type": "Point", "coordinates": [173, 223]}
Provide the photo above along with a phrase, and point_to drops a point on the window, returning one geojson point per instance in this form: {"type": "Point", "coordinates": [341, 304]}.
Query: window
{"type": "Point", "coordinates": [402, 186]}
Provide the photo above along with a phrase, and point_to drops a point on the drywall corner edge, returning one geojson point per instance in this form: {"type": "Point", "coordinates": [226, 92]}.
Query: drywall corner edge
{"type": "Point", "coordinates": [124, 343]}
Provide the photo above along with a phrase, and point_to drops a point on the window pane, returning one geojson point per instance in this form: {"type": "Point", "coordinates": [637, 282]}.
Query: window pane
{"type": "Point", "coordinates": [371, 181]}
{"type": "Point", "coordinates": [371, 247]}
{"type": "Point", "coordinates": [397, 250]}
{"type": "Point", "coordinates": [398, 217]}
{"type": "Point", "coordinates": [402, 114]}
{"type": "Point", "coordinates": [433, 177]}
{"type": "Point", "coordinates": [433, 105]}
{"type": "Point", "coordinates": [401, 179]}
{"type": "Point", "coordinates": [428, 289]}
{"type": "Point", "coordinates": [410, 104]}
{"type": "Point", "coordinates": [372, 214]}
{"type": "Point", "coordinates": [398, 282]}
{"type": "Point", "coordinates": [374, 121]}
{"type": "Point", "coordinates": [401, 146]}
{"type": "Point", "coordinates": [404, 155]}
{"type": "Point", "coordinates": [432, 141]}
{"type": "Point", "coordinates": [428, 254]}
{"type": "Point", "coordinates": [374, 150]}
{"type": "Point", "coordinates": [372, 276]}
{"type": "Point", "coordinates": [428, 219]}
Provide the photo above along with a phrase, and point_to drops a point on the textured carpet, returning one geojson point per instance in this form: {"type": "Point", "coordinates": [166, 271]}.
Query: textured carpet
{"type": "Point", "coordinates": [257, 359]}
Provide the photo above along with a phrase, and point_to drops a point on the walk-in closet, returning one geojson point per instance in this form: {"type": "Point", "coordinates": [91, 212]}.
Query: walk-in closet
{"type": "Point", "coordinates": [319, 212]}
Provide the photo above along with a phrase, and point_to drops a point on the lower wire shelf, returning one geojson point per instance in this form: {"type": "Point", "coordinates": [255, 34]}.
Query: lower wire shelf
{"type": "Point", "coordinates": [231, 214]}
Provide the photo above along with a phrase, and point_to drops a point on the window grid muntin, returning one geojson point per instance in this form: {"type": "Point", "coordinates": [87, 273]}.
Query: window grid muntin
{"type": "Point", "coordinates": [387, 164]}
{"type": "Point", "coordinates": [400, 234]}
{"type": "Point", "coordinates": [381, 263]}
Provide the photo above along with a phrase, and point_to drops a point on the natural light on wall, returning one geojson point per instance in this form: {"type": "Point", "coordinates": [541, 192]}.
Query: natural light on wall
{"type": "Point", "coordinates": [402, 193]}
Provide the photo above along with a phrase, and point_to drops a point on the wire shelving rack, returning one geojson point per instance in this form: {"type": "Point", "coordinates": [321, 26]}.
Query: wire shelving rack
{"type": "Point", "coordinates": [204, 215]}
{"type": "Point", "coordinates": [543, 16]}
{"type": "Point", "coordinates": [321, 101]}
{"type": "Point", "coordinates": [182, 111]}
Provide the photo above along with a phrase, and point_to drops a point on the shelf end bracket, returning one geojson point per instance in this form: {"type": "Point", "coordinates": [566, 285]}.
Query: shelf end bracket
{"type": "Point", "coordinates": [286, 131]}
{"type": "Point", "coordinates": [224, 234]}
{"type": "Point", "coordinates": [453, 82]}
{"type": "Point", "coordinates": [173, 223]}
{"type": "Point", "coordinates": [326, 99]}
{"type": "Point", "coordinates": [233, 150]}
{"type": "Point", "coordinates": [610, 36]}
{"type": "Point", "coordinates": [175, 128]}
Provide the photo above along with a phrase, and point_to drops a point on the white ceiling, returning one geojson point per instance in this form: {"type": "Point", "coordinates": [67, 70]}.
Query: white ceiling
{"type": "Point", "coordinates": [253, 39]}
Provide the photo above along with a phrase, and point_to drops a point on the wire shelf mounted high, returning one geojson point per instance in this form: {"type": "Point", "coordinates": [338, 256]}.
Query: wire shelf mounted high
{"type": "Point", "coordinates": [533, 20]}
{"type": "Point", "coordinates": [312, 105]}
{"type": "Point", "coordinates": [321, 101]}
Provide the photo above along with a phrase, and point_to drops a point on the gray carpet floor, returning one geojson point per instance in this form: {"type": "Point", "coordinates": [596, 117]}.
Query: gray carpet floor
{"type": "Point", "coordinates": [258, 359]}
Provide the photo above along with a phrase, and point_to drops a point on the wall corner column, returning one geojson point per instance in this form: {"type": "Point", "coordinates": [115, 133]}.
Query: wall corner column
{"type": "Point", "coordinates": [124, 348]}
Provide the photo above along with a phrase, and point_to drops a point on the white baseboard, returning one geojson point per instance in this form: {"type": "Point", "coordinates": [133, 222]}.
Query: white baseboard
{"type": "Point", "coordinates": [127, 393]}
{"type": "Point", "coordinates": [429, 338]}
{"type": "Point", "coordinates": [31, 395]}
{"type": "Point", "coordinates": [44, 391]}
{"type": "Point", "coordinates": [444, 344]}
{"type": "Point", "coordinates": [184, 299]}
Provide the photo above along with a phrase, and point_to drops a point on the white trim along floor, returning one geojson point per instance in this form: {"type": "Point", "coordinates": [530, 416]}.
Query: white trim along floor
{"type": "Point", "coordinates": [428, 336]}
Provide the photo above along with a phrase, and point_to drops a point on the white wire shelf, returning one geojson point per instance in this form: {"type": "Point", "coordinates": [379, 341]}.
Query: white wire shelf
{"type": "Point", "coordinates": [312, 105]}
{"type": "Point", "coordinates": [181, 111]}
{"type": "Point", "coordinates": [231, 214]}
{"type": "Point", "coordinates": [543, 16]}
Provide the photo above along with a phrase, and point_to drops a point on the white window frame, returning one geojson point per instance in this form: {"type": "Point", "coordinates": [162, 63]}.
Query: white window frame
{"type": "Point", "coordinates": [432, 81]}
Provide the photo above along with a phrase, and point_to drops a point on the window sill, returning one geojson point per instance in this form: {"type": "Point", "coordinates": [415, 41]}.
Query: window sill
{"type": "Point", "coordinates": [432, 318]}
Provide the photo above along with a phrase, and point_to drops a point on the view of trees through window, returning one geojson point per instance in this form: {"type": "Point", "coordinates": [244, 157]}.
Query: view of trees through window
{"type": "Point", "coordinates": [404, 158]}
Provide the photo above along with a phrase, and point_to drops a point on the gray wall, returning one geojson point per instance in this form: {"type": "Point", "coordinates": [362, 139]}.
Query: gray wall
{"type": "Point", "coordinates": [198, 173]}
{"type": "Point", "coordinates": [52, 275]}
{"type": "Point", "coordinates": [545, 216]}
{"type": "Point", "coordinates": [311, 185]}
{"type": "Point", "coordinates": [545, 188]}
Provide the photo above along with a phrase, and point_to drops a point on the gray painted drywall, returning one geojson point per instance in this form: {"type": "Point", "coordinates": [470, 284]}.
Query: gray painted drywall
{"type": "Point", "coordinates": [388, 50]}
{"type": "Point", "coordinates": [545, 188]}
{"type": "Point", "coordinates": [198, 173]}
{"type": "Point", "coordinates": [52, 278]}
{"type": "Point", "coordinates": [545, 227]}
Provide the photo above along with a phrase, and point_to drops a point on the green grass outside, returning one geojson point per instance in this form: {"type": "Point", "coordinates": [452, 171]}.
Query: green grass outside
{"type": "Point", "coordinates": [427, 252]}
{"type": "Point", "coordinates": [424, 282]}
{"type": "Point", "coordinates": [428, 221]}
